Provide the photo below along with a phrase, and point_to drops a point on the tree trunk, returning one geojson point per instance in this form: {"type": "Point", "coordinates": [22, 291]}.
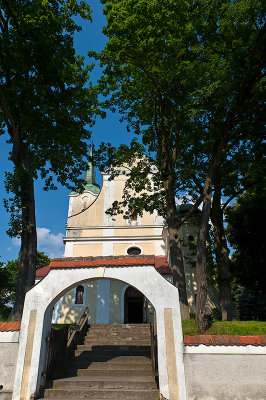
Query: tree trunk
{"type": "Point", "coordinates": [177, 264]}
{"type": "Point", "coordinates": [28, 250]}
{"type": "Point", "coordinates": [222, 260]}
{"type": "Point", "coordinates": [168, 160]}
{"type": "Point", "coordinates": [179, 279]}
{"type": "Point", "coordinates": [202, 312]}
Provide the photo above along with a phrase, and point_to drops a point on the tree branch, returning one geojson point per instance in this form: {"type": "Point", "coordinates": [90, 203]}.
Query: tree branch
{"type": "Point", "coordinates": [238, 192]}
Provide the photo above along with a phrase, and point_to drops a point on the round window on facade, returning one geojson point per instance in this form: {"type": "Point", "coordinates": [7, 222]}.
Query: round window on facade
{"type": "Point", "coordinates": [133, 251]}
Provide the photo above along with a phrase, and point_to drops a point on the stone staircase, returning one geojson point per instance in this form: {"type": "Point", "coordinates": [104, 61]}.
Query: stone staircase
{"type": "Point", "coordinates": [113, 363]}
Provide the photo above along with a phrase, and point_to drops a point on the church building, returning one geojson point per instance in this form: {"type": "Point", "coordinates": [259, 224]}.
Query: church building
{"type": "Point", "coordinates": [96, 238]}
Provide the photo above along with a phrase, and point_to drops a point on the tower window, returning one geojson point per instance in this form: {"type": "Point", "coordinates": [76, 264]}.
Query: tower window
{"type": "Point", "coordinates": [133, 251]}
{"type": "Point", "coordinates": [79, 299]}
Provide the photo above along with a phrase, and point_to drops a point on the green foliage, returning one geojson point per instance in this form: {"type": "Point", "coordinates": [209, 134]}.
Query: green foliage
{"type": "Point", "coordinates": [5, 290]}
{"type": "Point", "coordinates": [5, 313]}
{"type": "Point", "coordinates": [245, 231]}
{"type": "Point", "coordinates": [188, 78]}
{"type": "Point", "coordinates": [46, 100]}
{"type": "Point", "coordinates": [8, 281]}
{"type": "Point", "coordinates": [250, 304]}
{"type": "Point", "coordinates": [183, 75]}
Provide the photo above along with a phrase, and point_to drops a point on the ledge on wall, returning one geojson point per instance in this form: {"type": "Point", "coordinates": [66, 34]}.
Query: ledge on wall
{"type": "Point", "coordinates": [225, 340]}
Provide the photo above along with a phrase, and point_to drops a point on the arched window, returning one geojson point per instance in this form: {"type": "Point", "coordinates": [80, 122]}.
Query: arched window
{"type": "Point", "coordinates": [79, 299]}
{"type": "Point", "coordinates": [133, 251]}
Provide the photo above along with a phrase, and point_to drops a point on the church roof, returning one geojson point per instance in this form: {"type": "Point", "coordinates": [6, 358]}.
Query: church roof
{"type": "Point", "coordinates": [160, 263]}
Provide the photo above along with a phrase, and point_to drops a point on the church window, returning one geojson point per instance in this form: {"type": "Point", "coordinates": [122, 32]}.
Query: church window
{"type": "Point", "coordinates": [133, 251]}
{"type": "Point", "coordinates": [79, 299]}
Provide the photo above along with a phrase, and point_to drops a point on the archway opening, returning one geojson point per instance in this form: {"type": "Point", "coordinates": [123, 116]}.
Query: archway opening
{"type": "Point", "coordinates": [41, 299]}
{"type": "Point", "coordinates": [134, 303]}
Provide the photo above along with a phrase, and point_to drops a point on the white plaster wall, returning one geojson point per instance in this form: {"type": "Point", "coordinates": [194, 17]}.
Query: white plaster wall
{"type": "Point", "coordinates": [9, 337]}
{"type": "Point", "coordinates": [225, 376]}
{"type": "Point", "coordinates": [8, 360]}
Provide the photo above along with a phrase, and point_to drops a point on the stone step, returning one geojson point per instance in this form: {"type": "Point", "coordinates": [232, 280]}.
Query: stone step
{"type": "Point", "coordinates": [114, 362]}
{"type": "Point", "coordinates": [115, 336]}
{"type": "Point", "coordinates": [116, 347]}
{"type": "Point", "coordinates": [119, 326]}
{"type": "Point", "coordinates": [113, 366]}
{"type": "Point", "coordinates": [101, 394]}
{"type": "Point", "coordinates": [112, 351]}
{"type": "Point", "coordinates": [104, 358]}
{"type": "Point", "coordinates": [90, 344]}
{"type": "Point", "coordinates": [125, 398]}
{"type": "Point", "coordinates": [120, 331]}
{"type": "Point", "coordinates": [103, 382]}
{"type": "Point", "coordinates": [117, 372]}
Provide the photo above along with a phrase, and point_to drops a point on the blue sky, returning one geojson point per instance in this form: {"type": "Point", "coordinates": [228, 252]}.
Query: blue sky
{"type": "Point", "coordinates": [51, 207]}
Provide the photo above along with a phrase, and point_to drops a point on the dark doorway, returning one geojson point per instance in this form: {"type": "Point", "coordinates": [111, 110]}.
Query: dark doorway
{"type": "Point", "coordinates": [134, 306]}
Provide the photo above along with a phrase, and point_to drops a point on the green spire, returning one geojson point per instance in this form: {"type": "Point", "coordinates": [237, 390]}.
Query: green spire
{"type": "Point", "coordinates": [90, 178]}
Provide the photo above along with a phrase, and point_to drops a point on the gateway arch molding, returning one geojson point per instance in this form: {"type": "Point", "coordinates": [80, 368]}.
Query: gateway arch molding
{"type": "Point", "coordinates": [36, 321]}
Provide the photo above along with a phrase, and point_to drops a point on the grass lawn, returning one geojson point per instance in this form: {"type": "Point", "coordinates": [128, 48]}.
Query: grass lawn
{"type": "Point", "coordinates": [243, 328]}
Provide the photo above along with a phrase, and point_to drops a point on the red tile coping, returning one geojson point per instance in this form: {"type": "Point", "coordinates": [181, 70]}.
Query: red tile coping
{"type": "Point", "coordinates": [225, 340]}
{"type": "Point", "coordinates": [160, 263]}
{"type": "Point", "coordinates": [9, 326]}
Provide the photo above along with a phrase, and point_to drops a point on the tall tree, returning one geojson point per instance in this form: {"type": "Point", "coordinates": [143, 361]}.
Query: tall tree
{"type": "Point", "coordinates": [234, 38]}
{"type": "Point", "coordinates": [45, 104]}
{"type": "Point", "coordinates": [241, 171]}
{"type": "Point", "coordinates": [188, 77]}
{"type": "Point", "coordinates": [146, 72]}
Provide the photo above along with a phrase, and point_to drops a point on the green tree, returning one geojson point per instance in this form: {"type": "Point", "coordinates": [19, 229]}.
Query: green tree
{"type": "Point", "coordinates": [9, 276]}
{"type": "Point", "coordinates": [245, 232]}
{"type": "Point", "coordinates": [46, 103]}
{"type": "Point", "coordinates": [188, 78]}
{"type": "Point", "coordinates": [237, 174]}
{"type": "Point", "coordinates": [233, 51]}
{"type": "Point", "coordinates": [143, 70]}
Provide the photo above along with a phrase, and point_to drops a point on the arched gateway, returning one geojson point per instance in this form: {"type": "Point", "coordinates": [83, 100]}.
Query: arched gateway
{"type": "Point", "coordinates": [36, 322]}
